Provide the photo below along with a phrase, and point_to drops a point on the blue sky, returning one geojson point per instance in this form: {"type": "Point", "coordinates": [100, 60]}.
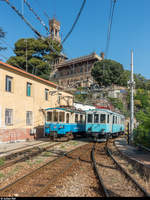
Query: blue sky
{"type": "Point", "coordinates": [130, 28]}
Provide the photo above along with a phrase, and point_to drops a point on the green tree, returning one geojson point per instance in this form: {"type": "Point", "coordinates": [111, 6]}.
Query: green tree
{"type": "Point", "coordinates": [38, 54]}
{"type": "Point", "coordinates": [108, 72]}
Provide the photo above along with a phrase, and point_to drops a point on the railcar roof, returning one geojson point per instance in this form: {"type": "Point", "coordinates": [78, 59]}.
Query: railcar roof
{"type": "Point", "coordinates": [66, 109]}
{"type": "Point", "coordinates": [103, 110]}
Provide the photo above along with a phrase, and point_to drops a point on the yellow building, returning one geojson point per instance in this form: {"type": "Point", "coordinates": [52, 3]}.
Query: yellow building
{"type": "Point", "coordinates": [23, 98]}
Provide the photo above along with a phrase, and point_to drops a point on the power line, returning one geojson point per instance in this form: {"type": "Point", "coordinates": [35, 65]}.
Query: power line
{"type": "Point", "coordinates": [112, 7]}
{"type": "Point", "coordinates": [33, 29]}
{"type": "Point", "coordinates": [22, 17]}
{"type": "Point", "coordinates": [30, 8]}
{"type": "Point", "coordinates": [75, 22]}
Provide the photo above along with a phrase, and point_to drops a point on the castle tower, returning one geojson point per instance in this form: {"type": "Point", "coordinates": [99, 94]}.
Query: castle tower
{"type": "Point", "coordinates": [54, 26]}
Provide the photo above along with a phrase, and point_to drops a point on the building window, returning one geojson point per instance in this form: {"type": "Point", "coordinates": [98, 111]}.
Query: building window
{"type": "Point", "coordinates": [8, 117]}
{"type": "Point", "coordinates": [9, 84]}
{"type": "Point", "coordinates": [29, 89]}
{"type": "Point", "coordinates": [29, 118]}
{"type": "Point", "coordinates": [46, 94]}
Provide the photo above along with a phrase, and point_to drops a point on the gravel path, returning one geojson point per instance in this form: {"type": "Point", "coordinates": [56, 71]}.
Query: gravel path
{"type": "Point", "coordinates": [80, 181]}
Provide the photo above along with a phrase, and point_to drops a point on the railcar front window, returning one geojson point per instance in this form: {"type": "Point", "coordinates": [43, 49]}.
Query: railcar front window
{"type": "Point", "coordinates": [61, 117]}
{"type": "Point", "coordinates": [89, 118]}
{"type": "Point", "coordinates": [103, 118]}
{"type": "Point", "coordinates": [49, 116]}
{"type": "Point", "coordinates": [67, 118]}
{"type": "Point", "coordinates": [55, 116]}
{"type": "Point", "coordinates": [81, 118]}
{"type": "Point", "coordinates": [76, 118]}
{"type": "Point", "coordinates": [96, 118]}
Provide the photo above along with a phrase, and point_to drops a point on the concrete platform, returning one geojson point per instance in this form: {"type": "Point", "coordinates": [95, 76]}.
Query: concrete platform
{"type": "Point", "coordinates": [6, 148]}
{"type": "Point", "coordinates": [133, 152]}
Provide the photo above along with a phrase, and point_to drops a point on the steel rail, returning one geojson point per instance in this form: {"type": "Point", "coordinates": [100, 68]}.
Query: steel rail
{"type": "Point", "coordinates": [25, 157]}
{"type": "Point", "coordinates": [21, 148]}
{"type": "Point", "coordinates": [9, 186]}
{"type": "Point", "coordinates": [44, 190]}
{"type": "Point", "coordinates": [104, 190]}
{"type": "Point", "coordinates": [127, 175]}
{"type": "Point", "coordinates": [143, 147]}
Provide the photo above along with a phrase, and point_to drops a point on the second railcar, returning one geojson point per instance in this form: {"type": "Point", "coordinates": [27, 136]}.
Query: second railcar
{"type": "Point", "coordinates": [103, 122]}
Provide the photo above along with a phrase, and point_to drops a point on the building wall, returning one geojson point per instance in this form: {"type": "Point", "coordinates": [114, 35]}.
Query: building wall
{"type": "Point", "coordinates": [20, 103]}
{"type": "Point", "coordinates": [77, 72]}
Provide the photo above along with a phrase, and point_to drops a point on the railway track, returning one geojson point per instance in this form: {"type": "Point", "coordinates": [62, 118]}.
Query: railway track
{"type": "Point", "coordinates": [114, 179]}
{"type": "Point", "coordinates": [33, 184]}
{"type": "Point", "coordinates": [14, 151]}
{"type": "Point", "coordinates": [25, 155]}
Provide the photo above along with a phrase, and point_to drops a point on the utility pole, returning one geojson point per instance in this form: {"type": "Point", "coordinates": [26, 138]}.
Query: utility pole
{"type": "Point", "coordinates": [131, 84]}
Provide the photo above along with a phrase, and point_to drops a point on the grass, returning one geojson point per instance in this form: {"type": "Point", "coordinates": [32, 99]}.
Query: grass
{"type": "Point", "coordinates": [37, 161]}
{"type": "Point", "coordinates": [2, 175]}
{"type": "Point", "coordinates": [74, 143]}
{"type": "Point", "coordinates": [62, 147]}
{"type": "Point", "coordinates": [2, 161]}
{"type": "Point", "coordinates": [46, 154]}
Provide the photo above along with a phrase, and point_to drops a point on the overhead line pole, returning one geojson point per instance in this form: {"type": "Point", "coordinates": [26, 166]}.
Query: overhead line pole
{"type": "Point", "coordinates": [132, 84]}
{"type": "Point", "coordinates": [131, 100]}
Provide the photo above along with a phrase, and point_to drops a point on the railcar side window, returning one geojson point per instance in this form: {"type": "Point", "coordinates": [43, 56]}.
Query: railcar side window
{"type": "Point", "coordinates": [113, 119]}
{"type": "Point", "coordinates": [103, 118]}
{"type": "Point", "coordinates": [96, 118]}
{"type": "Point", "coordinates": [107, 119]}
{"type": "Point", "coordinates": [89, 118]}
{"type": "Point", "coordinates": [67, 118]}
{"type": "Point", "coordinates": [55, 116]}
{"type": "Point", "coordinates": [61, 116]}
{"type": "Point", "coordinates": [49, 117]}
{"type": "Point", "coordinates": [76, 118]}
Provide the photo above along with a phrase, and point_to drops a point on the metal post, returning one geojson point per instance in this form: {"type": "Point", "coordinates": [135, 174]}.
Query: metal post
{"type": "Point", "coordinates": [131, 99]}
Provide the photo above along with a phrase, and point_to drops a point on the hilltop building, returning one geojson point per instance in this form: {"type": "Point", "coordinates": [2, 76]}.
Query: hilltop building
{"type": "Point", "coordinates": [76, 72]}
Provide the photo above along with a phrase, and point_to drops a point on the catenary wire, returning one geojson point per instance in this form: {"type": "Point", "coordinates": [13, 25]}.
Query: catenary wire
{"type": "Point", "coordinates": [112, 7]}
{"type": "Point", "coordinates": [75, 22]}
{"type": "Point", "coordinates": [41, 21]}
{"type": "Point", "coordinates": [32, 28]}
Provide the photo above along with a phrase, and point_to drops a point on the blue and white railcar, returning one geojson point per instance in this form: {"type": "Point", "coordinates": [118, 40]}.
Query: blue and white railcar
{"type": "Point", "coordinates": [64, 122]}
{"type": "Point", "coordinates": [103, 122]}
